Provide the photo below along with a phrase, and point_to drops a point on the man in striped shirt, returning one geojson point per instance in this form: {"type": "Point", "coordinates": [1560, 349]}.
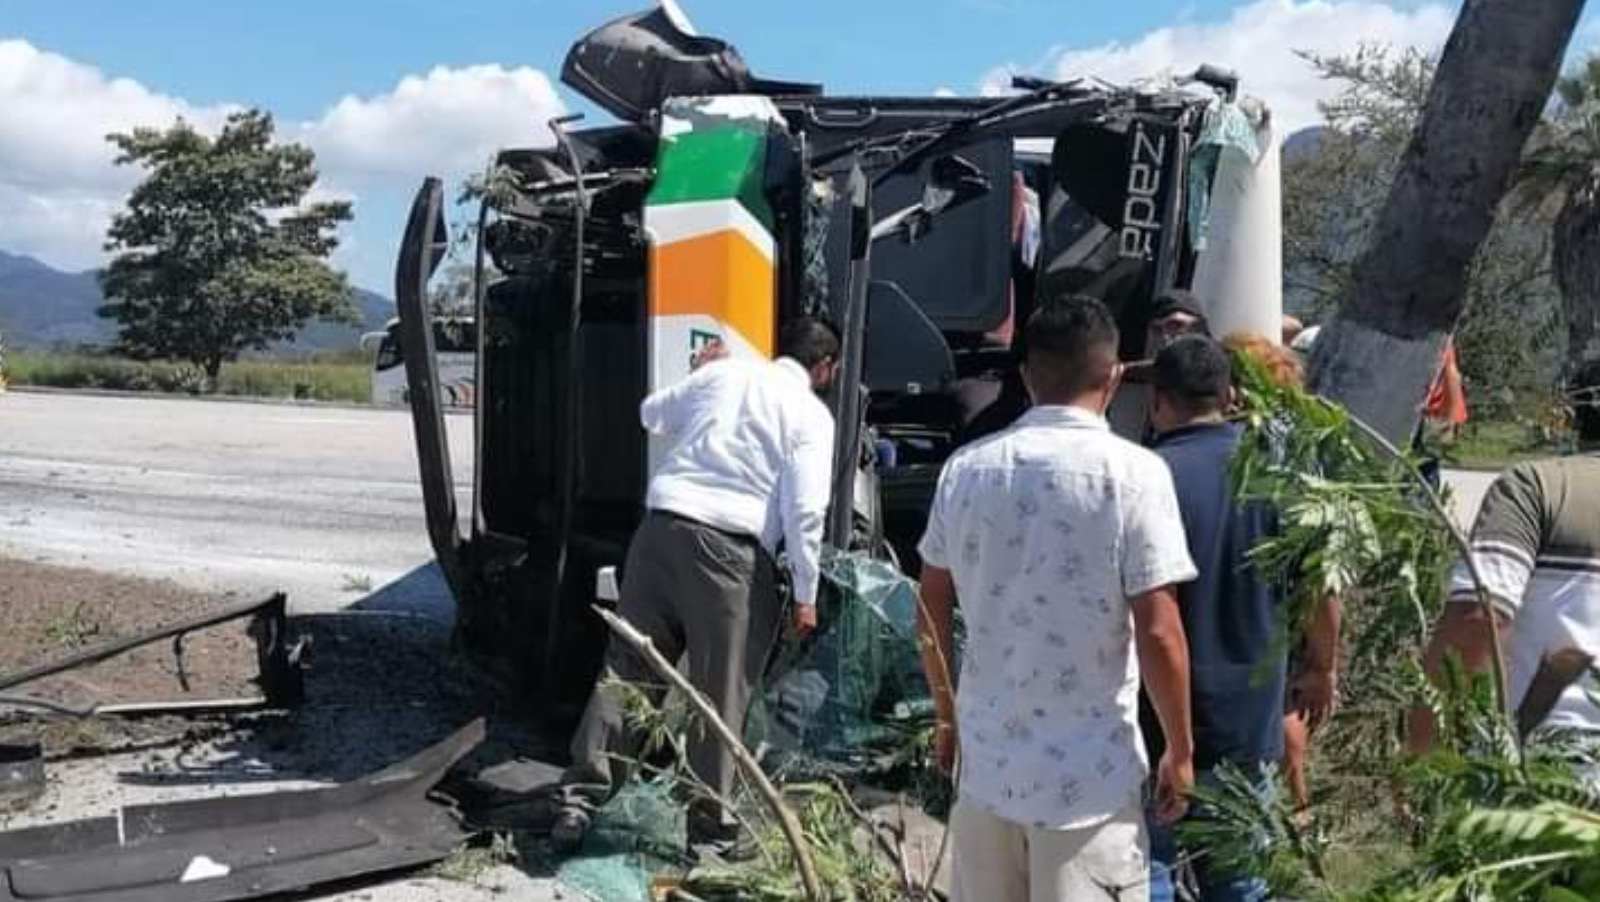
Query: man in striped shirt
{"type": "Point", "coordinates": [1536, 544]}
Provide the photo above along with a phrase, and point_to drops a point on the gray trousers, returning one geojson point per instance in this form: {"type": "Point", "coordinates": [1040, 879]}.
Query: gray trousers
{"type": "Point", "coordinates": [689, 588]}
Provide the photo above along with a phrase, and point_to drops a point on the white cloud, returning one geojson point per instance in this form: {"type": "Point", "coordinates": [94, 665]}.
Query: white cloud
{"type": "Point", "coordinates": [447, 122]}
{"type": "Point", "coordinates": [63, 228]}
{"type": "Point", "coordinates": [1259, 41]}
{"type": "Point", "coordinates": [59, 186]}
{"type": "Point", "coordinates": [55, 114]}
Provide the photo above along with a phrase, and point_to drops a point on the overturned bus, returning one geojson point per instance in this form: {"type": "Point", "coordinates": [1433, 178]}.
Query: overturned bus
{"type": "Point", "coordinates": [721, 206]}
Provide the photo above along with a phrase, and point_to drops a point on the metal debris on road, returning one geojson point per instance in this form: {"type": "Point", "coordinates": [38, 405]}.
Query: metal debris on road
{"type": "Point", "coordinates": [21, 773]}
{"type": "Point", "coordinates": [278, 658]}
{"type": "Point", "coordinates": [245, 847]}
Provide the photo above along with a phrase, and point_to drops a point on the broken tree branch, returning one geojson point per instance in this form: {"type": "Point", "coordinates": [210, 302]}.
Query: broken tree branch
{"type": "Point", "coordinates": [685, 776]}
{"type": "Point", "coordinates": [1464, 548]}
{"type": "Point", "coordinates": [787, 822]}
{"type": "Point", "coordinates": [876, 831]}
{"type": "Point", "coordinates": [904, 856]}
{"type": "Point", "coordinates": [942, 657]}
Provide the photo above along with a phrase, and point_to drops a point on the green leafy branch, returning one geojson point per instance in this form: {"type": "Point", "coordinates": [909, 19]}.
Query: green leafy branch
{"type": "Point", "coordinates": [1494, 811]}
{"type": "Point", "coordinates": [1352, 522]}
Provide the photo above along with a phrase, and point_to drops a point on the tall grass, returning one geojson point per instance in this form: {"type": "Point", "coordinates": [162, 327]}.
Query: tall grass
{"type": "Point", "coordinates": [331, 377]}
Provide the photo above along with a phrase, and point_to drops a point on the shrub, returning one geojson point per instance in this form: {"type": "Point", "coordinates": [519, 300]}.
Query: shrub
{"type": "Point", "coordinates": [336, 378]}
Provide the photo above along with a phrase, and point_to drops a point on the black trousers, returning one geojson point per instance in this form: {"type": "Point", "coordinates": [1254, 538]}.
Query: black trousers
{"type": "Point", "coordinates": [694, 589]}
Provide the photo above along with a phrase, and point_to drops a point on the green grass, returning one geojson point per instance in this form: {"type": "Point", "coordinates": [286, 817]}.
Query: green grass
{"type": "Point", "coordinates": [1496, 445]}
{"type": "Point", "coordinates": [72, 629]}
{"type": "Point", "coordinates": [329, 377]}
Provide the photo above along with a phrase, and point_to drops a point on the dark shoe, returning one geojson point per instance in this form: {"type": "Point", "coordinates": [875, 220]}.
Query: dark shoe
{"type": "Point", "coordinates": [568, 831]}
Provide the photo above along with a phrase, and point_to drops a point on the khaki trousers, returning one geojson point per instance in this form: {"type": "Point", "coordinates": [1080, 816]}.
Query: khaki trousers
{"type": "Point", "coordinates": [997, 860]}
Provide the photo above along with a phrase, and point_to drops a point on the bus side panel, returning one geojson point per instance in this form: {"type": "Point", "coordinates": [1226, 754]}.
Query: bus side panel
{"type": "Point", "coordinates": [713, 270]}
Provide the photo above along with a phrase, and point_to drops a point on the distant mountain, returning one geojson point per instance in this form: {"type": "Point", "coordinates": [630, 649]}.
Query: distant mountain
{"type": "Point", "coordinates": [43, 307]}
{"type": "Point", "coordinates": [374, 309]}
{"type": "Point", "coordinates": [1303, 142]}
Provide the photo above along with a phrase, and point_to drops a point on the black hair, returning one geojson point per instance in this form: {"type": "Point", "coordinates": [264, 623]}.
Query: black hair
{"type": "Point", "coordinates": [1584, 393]}
{"type": "Point", "coordinates": [809, 340]}
{"type": "Point", "coordinates": [1177, 300]}
{"type": "Point", "coordinates": [1070, 344]}
{"type": "Point", "coordinates": [1195, 372]}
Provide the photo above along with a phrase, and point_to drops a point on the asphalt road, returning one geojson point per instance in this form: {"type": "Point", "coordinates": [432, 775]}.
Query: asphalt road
{"type": "Point", "coordinates": [322, 502]}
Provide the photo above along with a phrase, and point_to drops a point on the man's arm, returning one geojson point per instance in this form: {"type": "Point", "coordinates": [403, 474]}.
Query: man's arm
{"type": "Point", "coordinates": [663, 412]}
{"type": "Point", "coordinates": [1463, 631]}
{"type": "Point", "coordinates": [807, 484]}
{"type": "Point", "coordinates": [936, 618]}
{"type": "Point", "coordinates": [1506, 539]}
{"type": "Point", "coordinates": [936, 632]}
{"type": "Point", "coordinates": [1155, 559]}
{"type": "Point", "coordinates": [1164, 666]}
{"type": "Point", "coordinates": [1316, 688]}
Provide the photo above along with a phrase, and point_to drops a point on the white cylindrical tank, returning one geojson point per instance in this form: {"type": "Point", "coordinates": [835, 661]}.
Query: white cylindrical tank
{"type": "Point", "coordinates": [1239, 276]}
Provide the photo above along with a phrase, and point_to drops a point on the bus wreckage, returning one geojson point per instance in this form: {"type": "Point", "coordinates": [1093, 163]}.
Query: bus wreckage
{"type": "Point", "coordinates": [723, 205]}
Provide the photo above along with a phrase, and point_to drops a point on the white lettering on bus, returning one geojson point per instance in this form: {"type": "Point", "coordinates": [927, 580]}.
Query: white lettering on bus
{"type": "Point", "coordinates": [1141, 219]}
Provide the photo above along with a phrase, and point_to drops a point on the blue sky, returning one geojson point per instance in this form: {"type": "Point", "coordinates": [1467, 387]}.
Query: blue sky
{"type": "Point", "coordinates": [297, 55]}
{"type": "Point", "coordinates": [390, 90]}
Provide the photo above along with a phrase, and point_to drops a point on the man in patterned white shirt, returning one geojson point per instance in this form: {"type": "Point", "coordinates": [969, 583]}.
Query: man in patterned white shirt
{"type": "Point", "coordinates": [1062, 543]}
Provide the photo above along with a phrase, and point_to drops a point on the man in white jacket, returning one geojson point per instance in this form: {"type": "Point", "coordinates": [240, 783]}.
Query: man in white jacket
{"type": "Point", "coordinates": [748, 463]}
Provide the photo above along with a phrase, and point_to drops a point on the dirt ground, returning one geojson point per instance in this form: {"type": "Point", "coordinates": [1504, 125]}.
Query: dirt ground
{"type": "Point", "coordinates": [381, 685]}
{"type": "Point", "coordinates": [50, 612]}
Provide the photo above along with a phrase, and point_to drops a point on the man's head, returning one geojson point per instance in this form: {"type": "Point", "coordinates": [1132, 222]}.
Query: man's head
{"type": "Point", "coordinates": [1192, 380]}
{"type": "Point", "coordinates": [1070, 353]}
{"type": "Point", "coordinates": [814, 344]}
{"type": "Point", "coordinates": [1283, 365]}
{"type": "Point", "coordinates": [1176, 312]}
{"type": "Point", "coordinates": [1584, 394]}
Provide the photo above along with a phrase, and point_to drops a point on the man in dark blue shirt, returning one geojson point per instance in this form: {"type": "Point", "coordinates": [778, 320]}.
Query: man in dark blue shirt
{"type": "Point", "coordinates": [1231, 612]}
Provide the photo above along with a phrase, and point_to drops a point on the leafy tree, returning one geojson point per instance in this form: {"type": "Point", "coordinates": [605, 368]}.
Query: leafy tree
{"type": "Point", "coordinates": [1334, 188]}
{"type": "Point", "coordinates": [1495, 810]}
{"type": "Point", "coordinates": [453, 291]}
{"type": "Point", "coordinates": [1561, 177]}
{"type": "Point", "coordinates": [217, 251]}
{"type": "Point", "coordinates": [1335, 182]}
{"type": "Point", "coordinates": [1408, 286]}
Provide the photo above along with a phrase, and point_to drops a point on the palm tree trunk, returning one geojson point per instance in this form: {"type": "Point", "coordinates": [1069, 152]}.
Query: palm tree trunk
{"type": "Point", "coordinates": [1380, 351]}
{"type": "Point", "coordinates": [1575, 253]}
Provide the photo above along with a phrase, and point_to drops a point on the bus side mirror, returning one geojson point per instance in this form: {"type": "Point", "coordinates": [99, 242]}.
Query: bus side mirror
{"type": "Point", "coordinates": [952, 182]}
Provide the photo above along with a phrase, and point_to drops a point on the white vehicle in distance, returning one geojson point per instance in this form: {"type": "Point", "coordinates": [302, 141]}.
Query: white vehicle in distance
{"type": "Point", "coordinates": [454, 344]}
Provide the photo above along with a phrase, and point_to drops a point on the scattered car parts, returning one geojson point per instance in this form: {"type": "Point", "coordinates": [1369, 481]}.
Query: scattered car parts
{"type": "Point", "coordinates": [21, 772]}
{"type": "Point", "coordinates": [278, 657]}
{"type": "Point", "coordinates": [244, 847]}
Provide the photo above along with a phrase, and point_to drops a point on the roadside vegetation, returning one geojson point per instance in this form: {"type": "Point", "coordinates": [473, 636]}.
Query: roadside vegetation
{"type": "Point", "coordinates": [1526, 317]}
{"type": "Point", "coordinates": [329, 376]}
{"type": "Point", "coordinates": [1494, 809]}
{"type": "Point", "coordinates": [1499, 444]}
{"type": "Point", "coordinates": [221, 249]}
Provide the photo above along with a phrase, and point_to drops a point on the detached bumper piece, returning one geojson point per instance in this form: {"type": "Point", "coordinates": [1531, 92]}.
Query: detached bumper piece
{"type": "Point", "coordinates": [277, 657]}
{"type": "Point", "coordinates": [248, 847]}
